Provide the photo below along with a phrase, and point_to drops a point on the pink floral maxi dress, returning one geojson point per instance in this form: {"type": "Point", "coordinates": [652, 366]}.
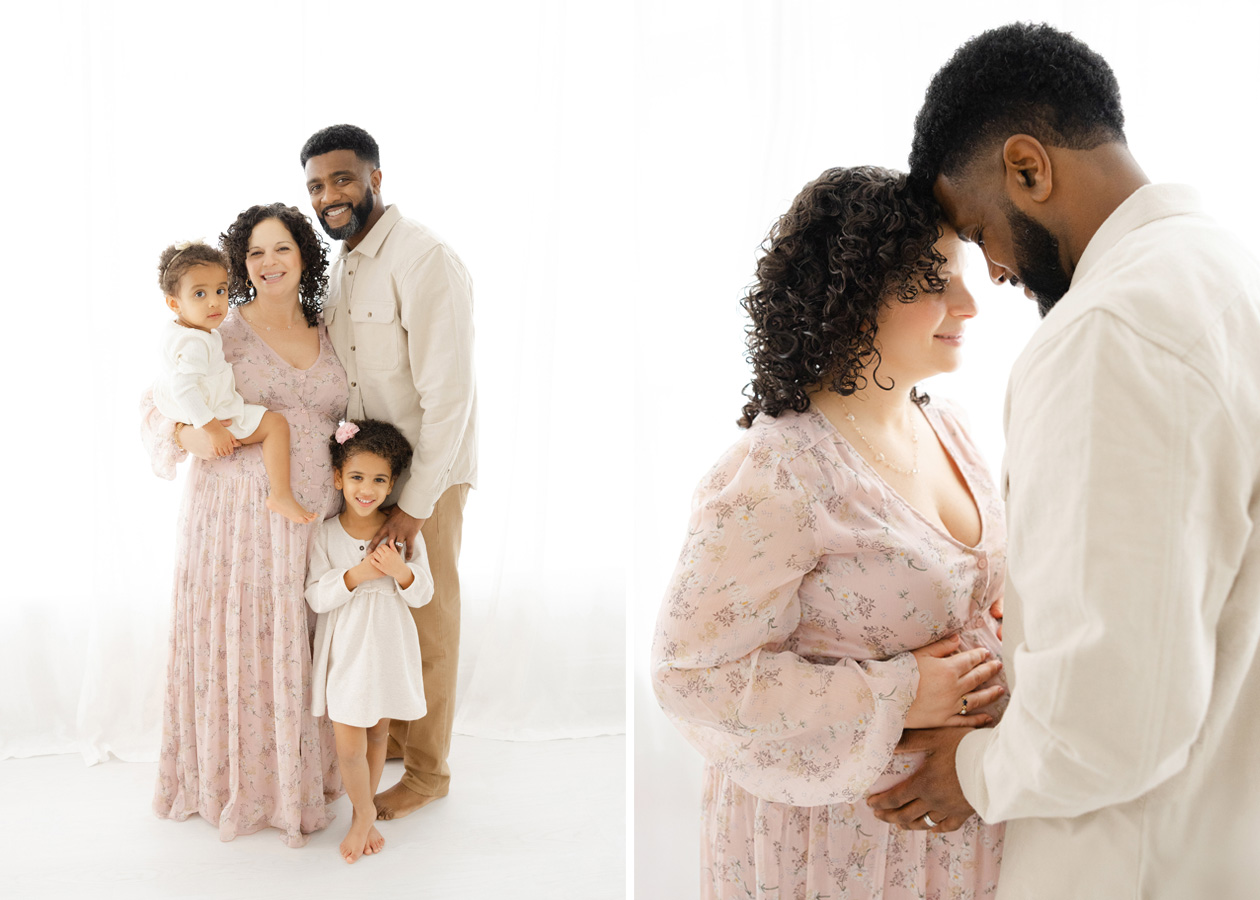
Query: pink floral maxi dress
{"type": "Point", "coordinates": [782, 653]}
{"type": "Point", "coordinates": [239, 744]}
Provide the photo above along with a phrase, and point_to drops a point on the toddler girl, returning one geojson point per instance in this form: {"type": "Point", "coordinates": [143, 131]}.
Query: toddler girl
{"type": "Point", "coordinates": [366, 662]}
{"type": "Point", "coordinates": [196, 386]}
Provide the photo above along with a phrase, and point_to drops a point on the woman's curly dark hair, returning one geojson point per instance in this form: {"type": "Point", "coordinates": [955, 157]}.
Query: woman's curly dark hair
{"type": "Point", "coordinates": [314, 252]}
{"type": "Point", "coordinates": [852, 240]}
{"type": "Point", "coordinates": [374, 436]}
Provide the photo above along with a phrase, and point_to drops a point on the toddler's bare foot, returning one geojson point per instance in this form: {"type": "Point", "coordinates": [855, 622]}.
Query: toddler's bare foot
{"type": "Point", "coordinates": [399, 801]}
{"type": "Point", "coordinates": [289, 508]}
{"type": "Point", "coordinates": [374, 841]}
{"type": "Point", "coordinates": [357, 837]}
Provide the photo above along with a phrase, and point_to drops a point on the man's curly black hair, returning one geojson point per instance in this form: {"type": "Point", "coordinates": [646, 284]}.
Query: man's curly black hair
{"type": "Point", "coordinates": [342, 137]}
{"type": "Point", "coordinates": [1017, 79]}
{"type": "Point", "coordinates": [852, 240]}
{"type": "Point", "coordinates": [374, 436]}
{"type": "Point", "coordinates": [314, 252]}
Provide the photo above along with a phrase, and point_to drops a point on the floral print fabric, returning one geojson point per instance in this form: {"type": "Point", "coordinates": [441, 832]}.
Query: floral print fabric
{"type": "Point", "coordinates": [239, 744]}
{"type": "Point", "coordinates": [783, 654]}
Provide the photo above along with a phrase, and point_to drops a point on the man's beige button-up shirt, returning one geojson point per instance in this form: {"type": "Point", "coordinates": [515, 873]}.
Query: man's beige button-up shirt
{"type": "Point", "coordinates": [400, 316]}
{"type": "Point", "coordinates": [1128, 762]}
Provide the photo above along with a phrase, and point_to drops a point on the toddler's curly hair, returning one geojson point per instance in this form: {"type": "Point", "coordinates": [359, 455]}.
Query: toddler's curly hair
{"type": "Point", "coordinates": [177, 259]}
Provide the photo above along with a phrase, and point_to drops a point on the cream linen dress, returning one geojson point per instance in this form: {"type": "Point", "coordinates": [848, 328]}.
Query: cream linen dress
{"type": "Point", "coordinates": [782, 653]}
{"type": "Point", "coordinates": [366, 662]}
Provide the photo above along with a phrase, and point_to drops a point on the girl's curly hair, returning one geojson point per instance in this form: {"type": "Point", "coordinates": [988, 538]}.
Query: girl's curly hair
{"type": "Point", "coordinates": [852, 240]}
{"type": "Point", "coordinates": [177, 259]}
{"type": "Point", "coordinates": [373, 436]}
{"type": "Point", "coordinates": [314, 252]}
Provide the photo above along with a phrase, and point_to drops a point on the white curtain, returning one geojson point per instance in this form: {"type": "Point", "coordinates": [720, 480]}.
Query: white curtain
{"type": "Point", "coordinates": [133, 125]}
{"type": "Point", "coordinates": [740, 104]}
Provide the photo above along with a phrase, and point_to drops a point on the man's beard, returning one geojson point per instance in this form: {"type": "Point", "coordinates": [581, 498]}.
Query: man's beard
{"type": "Point", "coordinates": [1037, 256]}
{"type": "Point", "coordinates": [358, 218]}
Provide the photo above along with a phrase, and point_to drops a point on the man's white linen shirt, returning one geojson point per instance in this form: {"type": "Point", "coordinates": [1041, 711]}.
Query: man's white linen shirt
{"type": "Point", "coordinates": [1128, 762]}
{"type": "Point", "coordinates": [400, 316]}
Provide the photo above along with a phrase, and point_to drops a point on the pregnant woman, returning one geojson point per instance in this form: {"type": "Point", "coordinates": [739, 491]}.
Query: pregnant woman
{"type": "Point", "coordinates": [841, 563]}
{"type": "Point", "coordinates": [239, 744]}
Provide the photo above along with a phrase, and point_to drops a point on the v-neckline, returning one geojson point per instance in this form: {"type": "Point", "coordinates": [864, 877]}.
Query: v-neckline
{"type": "Point", "coordinates": [276, 353]}
{"type": "Point", "coordinates": [950, 451]}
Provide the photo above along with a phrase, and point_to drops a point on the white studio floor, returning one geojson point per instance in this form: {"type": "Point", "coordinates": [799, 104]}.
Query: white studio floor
{"type": "Point", "coordinates": [523, 820]}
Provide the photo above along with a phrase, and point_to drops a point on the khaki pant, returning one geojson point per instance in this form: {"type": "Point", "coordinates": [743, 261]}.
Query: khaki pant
{"type": "Point", "coordinates": [425, 743]}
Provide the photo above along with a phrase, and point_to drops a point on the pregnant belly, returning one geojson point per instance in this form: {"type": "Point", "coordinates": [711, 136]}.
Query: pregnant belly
{"type": "Point", "coordinates": [902, 766]}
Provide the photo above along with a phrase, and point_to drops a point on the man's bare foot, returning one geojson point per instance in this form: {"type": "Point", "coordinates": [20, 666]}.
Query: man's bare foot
{"type": "Point", "coordinates": [357, 837]}
{"type": "Point", "coordinates": [374, 841]}
{"type": "Point", "coordinates": [399, 801]}
{"type": "Point", "coordinates": [290, 509]}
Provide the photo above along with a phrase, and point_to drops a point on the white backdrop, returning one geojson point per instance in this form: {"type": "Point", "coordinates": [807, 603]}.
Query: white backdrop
{"type": "Point", "coordinates": [738, 106]}
{"type": "Point", "coordinates": [132, 125]}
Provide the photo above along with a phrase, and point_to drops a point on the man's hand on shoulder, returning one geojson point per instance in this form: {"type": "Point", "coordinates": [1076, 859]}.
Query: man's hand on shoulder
{"type": "Point", "coordinates": [399, 529]}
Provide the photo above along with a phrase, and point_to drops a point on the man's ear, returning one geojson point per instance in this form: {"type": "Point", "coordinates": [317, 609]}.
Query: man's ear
{"type": "Point", "coordinates": [375, 181]}
{"type": "Point", "coordinates": [1027, 166]}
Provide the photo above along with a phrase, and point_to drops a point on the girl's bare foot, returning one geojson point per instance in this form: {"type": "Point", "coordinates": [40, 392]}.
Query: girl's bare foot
{"type": "Point", "coordinates": [357, 837]}
{"type": "Point", "coordinates": [290, 509]}
{"type": "Point", "coordinates": [374, 841]}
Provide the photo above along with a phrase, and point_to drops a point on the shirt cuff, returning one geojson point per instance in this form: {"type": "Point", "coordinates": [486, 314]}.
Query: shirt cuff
{"type": "Point", "coordinates": [969, 761]}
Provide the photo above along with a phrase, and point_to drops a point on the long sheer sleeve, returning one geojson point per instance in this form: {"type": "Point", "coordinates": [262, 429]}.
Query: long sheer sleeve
{"type": "Point", "coordinates": [157, 433]}
{"type": "Point", "coordinates": [787, 727]}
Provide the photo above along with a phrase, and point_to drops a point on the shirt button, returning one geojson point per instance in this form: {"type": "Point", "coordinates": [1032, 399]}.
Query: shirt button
{"type": "Point", "coordinates": [369, 314]}
{"type": "Point", "coordinates": [354, 384]}
{"type": "Point", "coordinates": [352, 348]}
{"type": "Point", "coordinates": [362, 547]}
{"type": "Point", "coordinates": [983, 564]}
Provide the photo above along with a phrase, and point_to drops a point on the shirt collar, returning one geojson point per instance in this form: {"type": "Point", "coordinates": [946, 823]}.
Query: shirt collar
{"type": "Point", "coordinates": [372, 241]}
{"type": "Point", "coordinates": [1145, 205]}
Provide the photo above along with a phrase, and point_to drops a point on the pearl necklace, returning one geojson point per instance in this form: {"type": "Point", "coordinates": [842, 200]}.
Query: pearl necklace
{"type": "Point", "coordinates": [879, 456]}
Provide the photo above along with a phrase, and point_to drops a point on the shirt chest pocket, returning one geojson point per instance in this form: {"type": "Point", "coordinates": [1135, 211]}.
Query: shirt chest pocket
{"type": "Point", "coordinates": [377, 334]}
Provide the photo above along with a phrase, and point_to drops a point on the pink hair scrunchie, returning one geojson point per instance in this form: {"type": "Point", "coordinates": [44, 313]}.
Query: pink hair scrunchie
{"type": "Point", "coordinates": [346, 431]}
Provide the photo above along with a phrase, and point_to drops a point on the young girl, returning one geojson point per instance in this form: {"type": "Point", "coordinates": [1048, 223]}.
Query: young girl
{"type": "Point", "coordinates": [366, 662]}
{"type": "Point", "coordinates": [196, 386]}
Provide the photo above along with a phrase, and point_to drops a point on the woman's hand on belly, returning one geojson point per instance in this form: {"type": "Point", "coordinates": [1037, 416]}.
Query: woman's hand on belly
{"type": "Point", "coordinates": [949, 686]}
